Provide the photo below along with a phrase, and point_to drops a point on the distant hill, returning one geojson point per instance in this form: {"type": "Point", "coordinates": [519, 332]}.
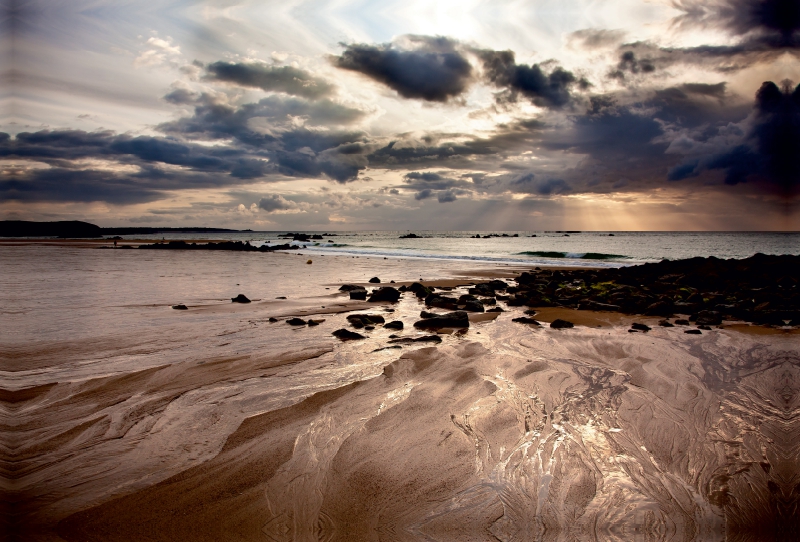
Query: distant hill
{"type": "Point", "coordinates": [71, 228]}
{"type": "Point", "coordinates": [76, 229]}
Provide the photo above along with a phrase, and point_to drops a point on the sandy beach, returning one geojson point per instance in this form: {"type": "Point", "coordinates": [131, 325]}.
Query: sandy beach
{"type": "Point", "coordinates": [146, 423]}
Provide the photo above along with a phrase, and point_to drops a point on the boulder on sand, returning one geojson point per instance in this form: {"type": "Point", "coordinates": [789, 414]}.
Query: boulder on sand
{"type": "Point", "coordinates": [558, 323]}
{"type": "Point", "coordinates": [526, 320]}
{"type": "Point", "coordinates": [423, 339]}
{"type": "Point", "coordinates": [450, 319]}
{"type": "Point", "coordinates": [347, 335]}
{"type": "Point", "coordinates": [358, 295]}
{"type": "Point", "coordinates": [350, 287]}
{"type": "Point", "coordinates": [396, 324]}
{"type": "Point", "coordinates": [296, 322]}
{"type": "Point", "coordinates": [180, 307]}
{"type": "Point", "coordinates": [387, 293]}
{"type": "Point", "coordinates": [375, 280]}
{"type": "Point", "coordinates": [241, 298]}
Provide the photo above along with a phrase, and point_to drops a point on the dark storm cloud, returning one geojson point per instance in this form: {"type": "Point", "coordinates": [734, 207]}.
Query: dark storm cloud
{"type": "Point", "coordinates": [528, 183]}
{"type": "Point", "coordinates": [610, 133]}
{"type": "Point", "coordinates": [773, 23]}
{"type": "Point", "coordinates": [628, 63]}
{"type": "Point", "coordinates": [543, 89]}
{"type": "Point", "coordinates": [214, 119]}
{"type": "Point", "coordinates": [446, 196]}
{"type": "Point", "coordinates": [765, 29]}
{"type": "Point", "coordinates": [767, 153]}
{"type": "Point", "coordinates": [275, 202]}
{"type": "Point", "coordinates": [295, 151]}
{"type": "Point", "coordinates": [182, 96]}
{"type": "Point", "coordinates": [88, 185]}
{"type": "Point", "coordinates": [423, 194]}
{"type": "Point", "coordinates": [270, 78]}
{"type": "Point", "coordinates": [434, 70]}
{"type": "Point", "coordinates": [435, 181]}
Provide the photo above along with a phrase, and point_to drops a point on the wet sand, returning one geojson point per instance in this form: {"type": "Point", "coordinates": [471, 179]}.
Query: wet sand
{"type": "Point", "coordinates": [505, 432]}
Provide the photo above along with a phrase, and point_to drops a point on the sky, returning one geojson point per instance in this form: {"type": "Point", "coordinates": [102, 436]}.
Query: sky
{"type": "Point", "coordinates": [402, 114]}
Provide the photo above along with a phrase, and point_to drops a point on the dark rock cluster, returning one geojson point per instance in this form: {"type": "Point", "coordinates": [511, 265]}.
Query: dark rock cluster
{"type": "Point", "coordinates": [761, 289]}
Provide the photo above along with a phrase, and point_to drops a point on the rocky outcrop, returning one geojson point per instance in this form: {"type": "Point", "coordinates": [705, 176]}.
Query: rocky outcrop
{"type": "Point", "coordinates": [458, 319]}
{"type": "Point", "coordinates": [387, 293]}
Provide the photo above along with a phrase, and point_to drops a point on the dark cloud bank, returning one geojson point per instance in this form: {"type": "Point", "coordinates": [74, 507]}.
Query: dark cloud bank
{"type": "Point", "coordinates": [438, 69]}
{"type": "Point", "coordinates": [681, 133]}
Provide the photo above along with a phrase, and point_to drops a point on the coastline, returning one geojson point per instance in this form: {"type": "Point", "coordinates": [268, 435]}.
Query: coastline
{"type": "Point", "coordinates": [124, 455]}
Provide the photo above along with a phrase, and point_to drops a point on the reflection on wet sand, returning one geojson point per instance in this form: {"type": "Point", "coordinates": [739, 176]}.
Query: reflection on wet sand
{"type": "Point", "coordinates": [580, 435]}
{"type": "Point", "coordinates": [216, 423]}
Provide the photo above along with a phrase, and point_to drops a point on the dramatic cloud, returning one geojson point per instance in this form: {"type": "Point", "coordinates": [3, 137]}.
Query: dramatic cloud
{"type": "Point", "coordinates": [270, 78]}
{"type": "Point", "coordinates": [433, 70]}
{"type": "Point", "coordinates": [630, 64]}
{"type": "Point", "coordinates": [775, 23]}
{"type": "Point", "coordinates": [276, 202]}
{"type": "Point", "coordinates": [528, 183]}
{"type": "Point", "coordinates": [446, 197]}
{"type": "Point", "coordinates": [769, 150]}
{"type": "Point", "coordinates": [423, 194]}
{"type": "Point", "coordinates": [270, 128]}
{"type": "Point", "coordinates": [594, 38]}
{"type": "Point", "coordinates": [543, 89]}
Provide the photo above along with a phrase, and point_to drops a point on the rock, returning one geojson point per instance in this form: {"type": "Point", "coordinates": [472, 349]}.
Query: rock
{"type": "Point", "coordinates": [387, 293]}
{"type": "Point", "coordinates": [526, 320]}
{"type": "Point", "coordinates": [708, 318]}
{"type": "Point", "coordinates": [426, 314]}
{"type": "Point", "coordinates": [450, 319]}
{"type": "Point", "coordinates": [472, 306]}
{"type": "Point", "coordinates": [682, 322]}
{"type": "Point", "coordinates": [410, 236]}
{"type": "Point", "coordinates": [316, 237]}
{"type": "Point", "coordinates": [241, 298]}
{"type": "Point", "coordinates": [640, 327]}
{"type": "Point", "coordinates": [360, 295]}
{"type": "Point", "coordinates": [316, 322]}
{"type": "Point", "coordinates": [705, 328]}
{"type": "Point", "coordinates": [665, 323]}
{"type": "Point", "coordinates": [347, 335]}
{"type": "Point", "coordinates": [350, 287]}
{"type": "Point", "coordinates": [296, 322]}
{"type": "Point", "coordinates": [388, 348]}
{"type": "Point", "coordinates": [396, 324]}
{"type": "Point", "coordinates": [309, 262]}
{"type": "Point", "coordinates": [272, 320]}
{"type": "Point", "coordinates": [424, 339]}
{"type": "Point", "coordinates": [369, 328]}
{"type": "Point", "coordinates": [180, 307]}
{"type": "Point", "coordinates": [420, 290]}
{"type": "Point", "coordinates": [693, 332]}
{"type": "Point", "coordinates": [531, 312]}
{"type": "Point", "coordinates": [442, 302]}
{"type": "Point", "coordinates": [558, 323]}
{"type": "Point", "coordinates": [496, 309]}
{"type": "Point", "coordinates": [361, 320]}
{"type": "Point", "coordinates": [375, 280]}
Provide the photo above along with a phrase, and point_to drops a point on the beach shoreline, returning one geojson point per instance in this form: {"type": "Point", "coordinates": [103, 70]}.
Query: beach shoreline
{"type": "Point", "coordinates": [218, 432]}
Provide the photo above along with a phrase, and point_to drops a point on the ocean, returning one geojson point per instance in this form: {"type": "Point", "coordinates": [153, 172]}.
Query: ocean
{"type": "Point", "coordinates": [591, 249]}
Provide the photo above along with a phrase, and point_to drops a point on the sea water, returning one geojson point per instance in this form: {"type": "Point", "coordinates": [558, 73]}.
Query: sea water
{"type": "Point", "coordinates": [593, 249]}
